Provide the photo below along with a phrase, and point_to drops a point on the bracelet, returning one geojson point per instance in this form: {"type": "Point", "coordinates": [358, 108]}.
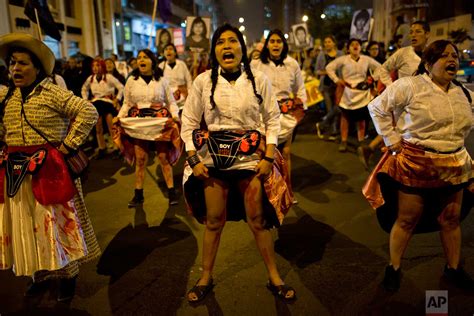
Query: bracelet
{"type": "Point", "coordinates": [270, 160]}
{"type": "Point", "coordinates": [193, 160]}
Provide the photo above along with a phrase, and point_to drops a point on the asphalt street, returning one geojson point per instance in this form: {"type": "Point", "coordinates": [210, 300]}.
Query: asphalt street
{"type": "Point", "coordinates": [330, 249]}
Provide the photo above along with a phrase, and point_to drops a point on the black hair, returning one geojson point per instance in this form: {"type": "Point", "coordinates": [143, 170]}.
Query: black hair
{"type": "Point", "coordinates": [174, 48]}
{"type": "Point", "coordinates": [157, 73]}
{"type": "Point", "coordinates": [195, 21]}
{"type": "Point", "coordinates": [349, 42]}
{"type": "Point", "coordinates": [425, 25]}
{"type": "Point", "coordinates": [362, 15]}
{"type": "Point", "coordinates": [400, 19]}
{"type": "Point", "coordinates": [131, 59]}
{"type": "Point", "coordinates": [432, 53]}
{"type": "Point", "coordinates": [265, 54]}
{"type": "Point", "coordinates": [244, 61]}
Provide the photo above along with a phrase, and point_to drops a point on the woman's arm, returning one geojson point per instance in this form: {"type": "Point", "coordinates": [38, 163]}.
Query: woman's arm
{"type": "Point", "coordinates": [382, 109]}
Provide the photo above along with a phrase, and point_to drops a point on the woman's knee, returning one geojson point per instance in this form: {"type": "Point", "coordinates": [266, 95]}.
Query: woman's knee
{"type": "Point", "coordinates": [407, 223]}
{"type": "Point", "coordinates": [256, 222]}
{"type": "Point", "coordinates": [449, 220]}
{"type": "Point", "coordinates": [214, 223]}
{"type": "Point", "coordinates": [163, 159]}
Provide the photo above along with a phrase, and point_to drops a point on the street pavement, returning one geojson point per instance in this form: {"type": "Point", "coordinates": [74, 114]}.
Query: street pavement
{"type": "Point", "coordinates": [330, 249]}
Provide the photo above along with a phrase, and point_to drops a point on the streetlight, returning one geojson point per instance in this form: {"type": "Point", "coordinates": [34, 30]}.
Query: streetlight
{"type": "Point", "coordinates": [241, 20]}
{"type": "Point", "coordinates": [286, 35]}
{"type": "Point", "coordinates": [242, 28]}
{"type": "Point", "coordinates": [323, 16]}
{"type": "Point", "coordinates": [304, 18]}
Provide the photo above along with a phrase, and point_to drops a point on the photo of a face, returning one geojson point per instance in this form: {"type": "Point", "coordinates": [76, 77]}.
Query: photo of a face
{"type": "Point", "coordinates": [300, 34]}
{"type": "Point", "coordinates": [360, 27]}
{"type": "Point", "coordinates": [197, 33]}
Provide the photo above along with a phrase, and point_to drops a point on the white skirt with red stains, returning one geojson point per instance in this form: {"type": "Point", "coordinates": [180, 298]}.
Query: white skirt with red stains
{"type": "Point", "coordinates": [36, 237]}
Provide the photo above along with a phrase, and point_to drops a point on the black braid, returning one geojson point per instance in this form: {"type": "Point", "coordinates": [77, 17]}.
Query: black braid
{"type": "Point", "coordinates": [214, 76]}
{"type": "Point", "coordinates": [250, 76]}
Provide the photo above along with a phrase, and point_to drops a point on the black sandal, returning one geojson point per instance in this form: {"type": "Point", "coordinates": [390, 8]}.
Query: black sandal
{"type": "Point", "coordinates": [200, 290]}
{"type": "Point", "coordinates": [281, 291]}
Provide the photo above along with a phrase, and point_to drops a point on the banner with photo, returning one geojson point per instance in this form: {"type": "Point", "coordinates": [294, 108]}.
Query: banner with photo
{"type": "Point", "coordinates": [198, 31]}
{"type": "Point", "coordinates": [361, 24]}
{"type": "Point", "coordinates": [312, 92]}
{"type": "Point", "coordinates": [163, 38]}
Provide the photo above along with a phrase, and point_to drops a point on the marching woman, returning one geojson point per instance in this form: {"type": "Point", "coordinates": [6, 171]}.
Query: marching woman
{"type": "Point", "coordinates": [177, 73]}
{"type": "Point", "coordinates": [418, 185]}
{"type": "Point", "coordinates": [287, 84]}
{"type": "Point", "coordinates": [232, 172]}
{"type": "Point", "coordinates": [45, 231]}
{"type": "Point", "coordinates": [100, 89]}
{"type": "Point", "coordinates": [356, 94]}
{"type": "Point", "coordinates": [149, 121]}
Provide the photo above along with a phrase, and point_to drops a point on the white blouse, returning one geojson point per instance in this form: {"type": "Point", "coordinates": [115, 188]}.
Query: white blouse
{"type": "Point", "coordinates": [286, 79]}
{"type": "Point", "coordinates": [178, 75]}
{"type": "Point", "coordinates": [404, 60]}
{"type": "Point", "coordinates": [102, 90]}
{"type": "Point", "coordinates": [142, 95]}
{"type": "Point", "coordinates": [352, 72]}
{"type": "Point", "coordinates": [237, 108]}
{"type": "Point", "coordinates": [425, 114]}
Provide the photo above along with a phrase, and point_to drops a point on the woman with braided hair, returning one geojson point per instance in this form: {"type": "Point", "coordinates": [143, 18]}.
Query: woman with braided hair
{"type": "Point", "coordinates": [232, 172]}
{"type": "Point", "coordinates": [287, 83]}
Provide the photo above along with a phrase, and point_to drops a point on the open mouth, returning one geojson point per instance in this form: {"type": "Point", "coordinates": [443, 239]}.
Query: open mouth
{"type": "Point", "coordinates": [228, 57]}
{"type": "Point", "coordinates": [451, 69]}
{"type": "Point", "coordinates": [17, 76]}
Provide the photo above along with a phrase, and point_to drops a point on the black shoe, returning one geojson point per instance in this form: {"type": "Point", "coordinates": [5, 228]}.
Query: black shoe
{"type": "Point", "coordinates": [67, 289]}
{"type": "Point", "coordinates": [459, 278]}
{"type": "Point", "coordinates": [36, 288]}
{"type": "Point", "coordinates": [138, 199]}
{"type": "Point", "coordinates": [391, 281]}
{"type": "Point", "coordinates": [116, 154]}
{"type": "Point", "coordinates": [101, 154]}
{"type": "Point", "coordinates": [172, 196]}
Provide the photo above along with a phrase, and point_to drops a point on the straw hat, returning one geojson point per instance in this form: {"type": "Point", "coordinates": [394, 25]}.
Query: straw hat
{"type": "Point", "coordinates": [37, 47]}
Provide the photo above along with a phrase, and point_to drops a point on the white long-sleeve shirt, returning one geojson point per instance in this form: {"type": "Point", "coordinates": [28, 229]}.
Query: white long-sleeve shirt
{"type": "Point", "coordinates": [286, 79]}
{"type": "Point", "coordinates": [425, 114]}
{"type": "Point", "coordinates": [102, 90]}
{"type": "Point", "coordinates": [404, 60]}
{"type": "Point", "coordinates": [142, 95]}
{"type": "Point", "coordinates": [178, 75]}
{"type": "Point", "coordinates": [237, 108]}
{"type": "Point", "coordinates": [352, 72]}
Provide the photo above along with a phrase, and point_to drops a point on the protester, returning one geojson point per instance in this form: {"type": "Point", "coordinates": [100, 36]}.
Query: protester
{"type": "Point", "coordinates": [424, 121]}
{"type": "Point", "coordinates": [219, 184]}
{"type": "Point", "coordinates": [43, 216]}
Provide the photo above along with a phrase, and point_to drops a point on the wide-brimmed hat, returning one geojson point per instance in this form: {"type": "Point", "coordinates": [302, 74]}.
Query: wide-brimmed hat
{"type": "Point", "coordinates": [37, 47]}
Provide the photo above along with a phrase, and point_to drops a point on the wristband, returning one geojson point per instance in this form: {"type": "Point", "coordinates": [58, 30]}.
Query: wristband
{"type": "Point", "coordinates": [193, 161]}
{"type": "Point", "coordinates": [270, 160]}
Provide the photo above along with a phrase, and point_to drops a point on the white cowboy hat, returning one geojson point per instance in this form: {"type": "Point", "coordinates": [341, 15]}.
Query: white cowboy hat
{"type": "Point", "coordinates": [37, 47]}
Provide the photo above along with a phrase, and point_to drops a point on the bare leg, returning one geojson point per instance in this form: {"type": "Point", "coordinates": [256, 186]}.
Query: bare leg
{"type": "Point", "coordinates": [99, 131]}
{"type": "Point", "coordinates": [361, 130]}
{"type": "Point", "coordinates": [166, 167]}
{"type": "Point", "coordinates": [410, 208]}
{"type": "Point", "coordinates": [215, 192]}
{"type": "Point", "coordinates": [141, 157]}
{"type": "Point", "coordinates": [451, 230]}
{"type": "Point", "coordinates": [344, 127]}
{"type": "Point", "coordinates": [253, 191]}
